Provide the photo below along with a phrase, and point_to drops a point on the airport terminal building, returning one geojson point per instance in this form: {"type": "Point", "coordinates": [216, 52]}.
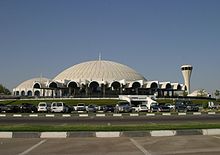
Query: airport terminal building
{"type": "Point", "coordinates": [99, 78]}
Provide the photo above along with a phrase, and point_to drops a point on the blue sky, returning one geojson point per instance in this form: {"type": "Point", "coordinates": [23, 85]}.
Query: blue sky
{"type": "Point", "coordinates": [153, 37]}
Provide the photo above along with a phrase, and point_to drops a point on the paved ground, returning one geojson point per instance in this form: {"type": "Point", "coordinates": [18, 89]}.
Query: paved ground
{"type": "Point", "coordinates": [181, 145]}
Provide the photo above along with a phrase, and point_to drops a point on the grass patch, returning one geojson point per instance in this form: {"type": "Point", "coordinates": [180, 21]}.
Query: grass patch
{"type": "Point", "coordinates": [145, 127]}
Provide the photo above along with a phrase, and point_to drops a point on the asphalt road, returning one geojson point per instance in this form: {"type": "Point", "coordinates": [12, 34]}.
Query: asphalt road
{"type": "Point", "coordinates": [112, 120]}
{"type": "Point", "coordinates": [178, 145]}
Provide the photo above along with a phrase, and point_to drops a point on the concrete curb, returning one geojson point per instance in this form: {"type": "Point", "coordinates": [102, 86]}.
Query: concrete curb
{"type": "Point", "coordinates": [161, 133]}
{"type": "Point", "coordinates": [107, 134]}
{"type": "Point", "coordinates": [53, 135]}
{"type": "Point", "coordinates": [5, 134]}
{"type": "Point", "coordinates": [156, 133]}
{"type": "Point", "coordinates": [211, 131]}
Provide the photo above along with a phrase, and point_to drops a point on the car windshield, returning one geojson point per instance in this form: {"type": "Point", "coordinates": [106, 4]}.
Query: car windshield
{"type": "Point", "coordinates": [42, 104]}
{"type": "Point", "coordinates": [59, 104]}
{"type": "Point", "coordinates": [80, 104]}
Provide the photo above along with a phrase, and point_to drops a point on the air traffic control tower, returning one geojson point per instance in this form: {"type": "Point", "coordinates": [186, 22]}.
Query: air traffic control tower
{"type": "Point", "coordinates": [186, 71]}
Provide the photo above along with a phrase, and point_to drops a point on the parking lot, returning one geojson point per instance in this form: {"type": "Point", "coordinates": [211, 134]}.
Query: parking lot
{"type": "Point", "coordinates": [181, 145]}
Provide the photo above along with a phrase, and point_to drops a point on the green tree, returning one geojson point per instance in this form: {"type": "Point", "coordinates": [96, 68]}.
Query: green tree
{"type": "Point", "coordinates": [4, 90]}
{"type": "Point", "coordinates": [202, 93]}
{"type": "Point", "coordinates": [217, 93]}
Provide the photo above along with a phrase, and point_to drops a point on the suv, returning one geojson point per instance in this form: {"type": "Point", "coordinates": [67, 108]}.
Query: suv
{"type": "Point", "coordinates": [60, 107]}
{"type": "Point", "coordinates": [186, 106]}
{"type": "Point", "coordinates": [123, 107]}
{"type": "Point", "coordinates": [43, 107]}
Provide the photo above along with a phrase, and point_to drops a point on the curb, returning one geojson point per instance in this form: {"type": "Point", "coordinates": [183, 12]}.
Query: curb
{"type": "Point", "coordinates": [155, 133]}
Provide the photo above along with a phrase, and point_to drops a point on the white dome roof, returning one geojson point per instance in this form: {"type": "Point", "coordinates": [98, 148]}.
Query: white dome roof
{"type": "Point", "coordinates": [99, 70]}
{"type": "Point", "coordinates": [28, 84]}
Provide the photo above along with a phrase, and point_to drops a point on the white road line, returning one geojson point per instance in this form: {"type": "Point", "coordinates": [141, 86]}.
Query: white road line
{"type": "Point", "coordinates": [117, 115]}
{"type": "Point", "coordinates": [211, 113]}
{"type": "Point", "coordinates": [134, 115]}
{"type": "Point", "coordinates": [150, 114]}
{"type": "Point", "coordinates": [33, 115]}
{"type": "Point", "coordinates": [17, 115]}
{"type": "Point", "coordinates": [2, 115]}
{"type": "Point", "coordinates": [33, 147]}
{"type": "Point", "coordinates": [216, 137]}
{"type": "Point", "coordinates": [66, 115]}
{"type": "Point", "coordinates": [140, 147]}
{"type": "Point", "coordinates": [182, 114]}
{"type": "Point", "coordinates": [49, 115]}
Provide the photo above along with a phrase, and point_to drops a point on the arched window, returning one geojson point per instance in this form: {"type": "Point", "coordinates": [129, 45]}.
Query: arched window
{"type": "Point", "coordinates": [29, 93]}
{"type": "Point", "coordinates": [22, 93]}
{"type": "Point", "coordinates": [37, 93]}
{"type": "Point", "coordinates": [115, 85]}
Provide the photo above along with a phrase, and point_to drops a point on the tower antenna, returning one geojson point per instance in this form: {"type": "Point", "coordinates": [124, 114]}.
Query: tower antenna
{"type": "Point", "coordinates": [100, 56]}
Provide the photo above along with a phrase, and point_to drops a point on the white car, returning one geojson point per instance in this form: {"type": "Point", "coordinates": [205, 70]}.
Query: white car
{"type": "Point", "coordinates": [59, 107]}
{"type": "Point", "coordinates": [43, 107]}
{"type": "Point", "coordinates": [141, 108]}
{"type": "Point", "coordinates": [81, 107]}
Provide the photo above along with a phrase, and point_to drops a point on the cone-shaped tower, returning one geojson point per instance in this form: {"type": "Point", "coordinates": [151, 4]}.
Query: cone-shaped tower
{"type": "Point", "coordinates": [186, 71]}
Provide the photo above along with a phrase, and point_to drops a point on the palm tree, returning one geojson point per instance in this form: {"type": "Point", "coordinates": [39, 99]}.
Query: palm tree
{"type": "Point", "coordinates": [201, 93]}
{"type": "Point", "coordinates": [4, 90]}
{"type": "Point", "coordinates": [217, 93]}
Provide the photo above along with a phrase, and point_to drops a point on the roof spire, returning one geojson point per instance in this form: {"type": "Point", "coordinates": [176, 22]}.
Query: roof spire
{"type": "Point", "coordinates": [100, 56]}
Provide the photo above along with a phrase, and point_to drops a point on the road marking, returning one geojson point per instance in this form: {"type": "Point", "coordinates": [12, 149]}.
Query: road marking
{"type": "Point", "coordinates": [49, 115]}
{"type": "Point", "coordinates": [2, 115]}
{"type": "Point", "coordinates": [33, 115]}
{"type": "Point", "coordinates": [181, 114]}
{"type": "Point", "coordinates": [150, 115]}
{"type": "Point", "coordinates": [66, 115]}
{"type": "Point", "coordinates": [216, 137]}
{"type": "Point", "coordinates": [117, 115]}
{"type": "Point", "coordinates": [166, 114]}
{"type": "Point", "coordinates": [211, 113]}
{"type": "Point", "coordinates": [83, 115]}
{"type": "Point", "coordinates": [100, 115]}
{"type": "Point", "coordinates": [134, 114]}
{"type": "Point", "coordinates": [33, 147]}
{"type": "Point", "coordinates": [17, 115]}
{"type": "Point", "coordinates": [197, 113]}
{"type": "Point", "coordinates": [141, 148]}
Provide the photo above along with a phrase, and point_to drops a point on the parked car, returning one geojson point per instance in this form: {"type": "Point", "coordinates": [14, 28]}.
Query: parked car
{"type": "Point", "coordinates": [81, 107]}
{"type": "Point", "coordinates": [109, 108]}
{"type": "Point", "coordinates": [192, 107]}
{"type": "Point", "coordinates": [44, 107]}
{"type": "Point", "coordinates": [171, 106]}
{"type": "Point", "coordinates": [213, 105]}
{"type": "Point", "coordinates": [141, 108]}
{"type": "Point", "coordinates": [101, 108]}
{"type": "Point", "coordinates": [9, 108]}
{"type": "Point", "coordinates": [184, 106]}
{"type": "Point", "coordinates": [28, 108]}
{"type": "Point", "coordinates": [60, 107]}
{"type": "Point", "coordinates": [164, 108]}
{"type": "Point", "coordinates": [2, 107]}
{"type": "Point", "coordinates": [123, 107]}
{"type": "Point", "coordinates": [91, 108]}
